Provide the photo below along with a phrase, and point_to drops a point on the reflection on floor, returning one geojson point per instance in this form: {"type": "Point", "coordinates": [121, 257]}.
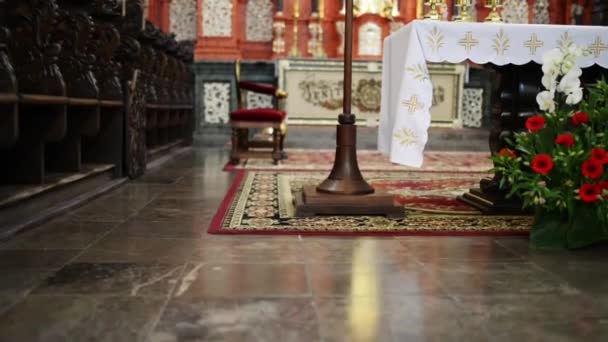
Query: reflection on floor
{"type": "Point", "coordinates": [137, 265]}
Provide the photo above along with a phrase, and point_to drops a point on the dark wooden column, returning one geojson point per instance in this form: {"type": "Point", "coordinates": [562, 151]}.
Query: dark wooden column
{"type": "Point", "coordinates": [513, 102]}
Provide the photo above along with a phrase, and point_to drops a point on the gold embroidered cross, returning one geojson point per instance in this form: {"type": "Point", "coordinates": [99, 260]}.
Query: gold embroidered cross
{"type": "Point", "coordinates": [406, 137]}
{"type": "Point", "coordinates": [413, 104]}
{"type": "Point", "coordinates": [468, 41]}
{"type": "Point", "coordinates": [597, 47]}
{"type": "Point", "coordinates": [533, 44]}
{"type": "Point", "coordinates": [565, 41]}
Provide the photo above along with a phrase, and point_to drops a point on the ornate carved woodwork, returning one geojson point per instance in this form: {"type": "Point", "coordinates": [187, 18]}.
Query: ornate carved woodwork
{"type": "Point", "coordinates": [74, 31]}
{"type": "Point", "coordinates": [32, 23]}
{"type": "Point", "coordinates": [9, 119]}
{"type": "Point", "coordinates": [75, 75]}
{"type": "Point", "coordinates": [106, 35]}
{"type": "Point", "coordinates": [134, 89]}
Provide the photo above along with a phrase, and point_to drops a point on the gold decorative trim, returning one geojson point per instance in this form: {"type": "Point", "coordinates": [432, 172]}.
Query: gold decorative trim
{"type": "Point", "coordinates": [598, 47]}
{"type": "Point", "coordinates": [533, 43]}
{"type": "Point", "coordinates": [239, 209]}
{"type": "Point", "coordinates": [413, 105]}
{"type": "Point", "coordinates": [501, 43]}
{"type": "Point", "coordinates": [435, 39]}
{"type": "Point", "coordinates": [419, 72]}
{"type": "Point", "coordinates": [406, 137]}
{"type": "Point", "coordinates": [468, 42]}
{"type": "Point", "coordinates": [286, 207]}
{"type": "Point", "coordinates": [565, 41]}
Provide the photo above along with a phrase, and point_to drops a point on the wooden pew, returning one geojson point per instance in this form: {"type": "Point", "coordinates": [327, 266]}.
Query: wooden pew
{"type": "Point", "coordinates": [42, 93]}
{"type": "Point", "coordinates": [9, 106]}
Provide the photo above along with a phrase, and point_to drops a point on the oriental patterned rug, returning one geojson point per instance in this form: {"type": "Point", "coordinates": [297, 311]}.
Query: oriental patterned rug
{"type": "Point", "coordinates": [322, 160]}
{"type": "Point", "coordinates": [262, 203]}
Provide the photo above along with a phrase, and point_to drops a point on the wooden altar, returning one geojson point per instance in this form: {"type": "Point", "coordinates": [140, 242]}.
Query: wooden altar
{"type": "Point", "coordinates": [316, 89]}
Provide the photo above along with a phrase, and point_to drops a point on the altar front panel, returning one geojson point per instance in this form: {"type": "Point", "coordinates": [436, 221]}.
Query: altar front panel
{"type": "Point", "coordinates": [315, 91]}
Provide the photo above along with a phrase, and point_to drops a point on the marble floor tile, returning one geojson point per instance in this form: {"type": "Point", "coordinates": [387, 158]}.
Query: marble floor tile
{"type": "Point", "coordinates": [100, 214]}
{"type": "Point", "coordinates": [497, 277]}
{"type": "Point", "coordinates": [585, 330]}
{"type": "Point", "coordinates": [176, 229]}
{"type": "Point", "coordinates": [80, 318]}
{"type": "Point", "coordinates": [60, 235]}
{"type": "Point", "coordinates": [512, 310]}
{"type": "Point", "coordinates": [370, 279]}
{"type": "Point", "coordinates": [387, 318]}
{"type": "Point", "coordinates": [347, 250]}
{"type": "Point", "coordinates": [456, 248]}
{"type": "Point", "coordinates": [139, 190]}
{"type": "Point", "coordinates": [118, 203]}
{"type": "Point", "coordinates": [111, 208]}
{"type": "Point", "coordinates": [118, 248]}
{"type": "Point", "coordinates": [175, 213]}
{"type": "Point", "coordinates": [180, 203]}
{"type": "Point", "coordinates": [126, 279]}
{"type": "Point", "coordinates": [9, 300]}
{"type": "Point", "coordinates": [16, 283]}
{"type": "Point", "coordinates": [269, 251]}
{"type": "Point", "coordinates": [105, 271]}
{"type": "Point", "coordinates": [589, 276]}
{"type": "Point", "coordinates": [165, 176]}
{"type": "Point", "coordinates": [237, 320]}
{"type": "Point", "coordinates": [219, 280]}
{"type": "Point", "coordinates": [35, 258]}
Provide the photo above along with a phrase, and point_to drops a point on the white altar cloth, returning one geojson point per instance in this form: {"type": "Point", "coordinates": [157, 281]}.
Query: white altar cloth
{"type": "Point", "coordinates": [406, 87]}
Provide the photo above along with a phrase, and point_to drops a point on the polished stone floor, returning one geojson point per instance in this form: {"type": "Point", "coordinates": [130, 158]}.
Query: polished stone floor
{"type": "Point", "coordinates": [137, 265]}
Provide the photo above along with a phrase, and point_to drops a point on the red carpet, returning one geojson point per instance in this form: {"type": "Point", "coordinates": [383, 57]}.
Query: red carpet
{"type": "Point", "coordinates": [261, 203]}
{"type": "Point", "coordinates": [322, 160]}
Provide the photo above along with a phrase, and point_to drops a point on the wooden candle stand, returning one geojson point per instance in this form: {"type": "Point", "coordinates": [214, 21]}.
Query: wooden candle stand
{"type": "Point", "coordinates": [345, 191]}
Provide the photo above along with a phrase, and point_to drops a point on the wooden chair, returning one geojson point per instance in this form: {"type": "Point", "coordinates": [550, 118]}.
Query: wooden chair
{"type": "Point", "coordinates": [243, 119]}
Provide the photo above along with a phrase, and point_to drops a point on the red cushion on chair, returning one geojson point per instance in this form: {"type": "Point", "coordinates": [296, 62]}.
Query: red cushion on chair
{"type": "Point", "coordinates": [258, 114]}
{"type": "Point", "coordinates": [258, 87]}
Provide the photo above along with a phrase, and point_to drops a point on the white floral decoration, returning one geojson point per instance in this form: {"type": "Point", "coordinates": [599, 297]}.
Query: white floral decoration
{"type": "Point", "coordinates": [561, 74]}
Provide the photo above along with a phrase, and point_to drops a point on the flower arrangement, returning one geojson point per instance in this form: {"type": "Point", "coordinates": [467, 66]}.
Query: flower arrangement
{"type": "Point", "coordinates": [558, 165]}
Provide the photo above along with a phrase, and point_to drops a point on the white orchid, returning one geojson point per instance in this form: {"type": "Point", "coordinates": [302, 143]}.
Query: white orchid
{"type": "Point", "coordinates": [554, 56]}
{"type": "Point", "coordinates": [551, 69]}
{"type": "Point", "coordinates": [574, 97]}
{"type": "Point", "coordinates": [574, 50]}
{"type": "Point", "coordinates": [545, 101]}
{"type": "Point", "coordinates": [560, 74]}
{"type": "Point", "coordinates": [567, 65]}
{"type": "Point", "coordinates": [569, 83]}
{"type": "Point", "coordinates": [549, 82]}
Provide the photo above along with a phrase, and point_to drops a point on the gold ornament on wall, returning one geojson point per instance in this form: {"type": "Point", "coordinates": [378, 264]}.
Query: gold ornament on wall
{"type": "Point", "coordinates": [434, 8]}
{"type": "Point", "coordinates": [278, 44]}
{"type": "Point", "coordinates": [494, 16]}
{"type": "Point", "coordinates": [463, 11]}
{"type": "Point", "coordinates": [294, 51]}
{"type": "Point", "coordinates": [320, 50]}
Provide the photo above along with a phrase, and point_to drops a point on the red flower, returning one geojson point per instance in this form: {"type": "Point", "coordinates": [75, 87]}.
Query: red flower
{"type": "Point", "coordinates": [542, 164]}
{"type": "Point", "coordinates": [592, 169]}
{"type": "Point", "coordinates": [599, 155]}
{"type": "Point", "coordinates": [565, 139]}
{"type": "Point", "coordinates": [535, 123]}
{"type": "Point", "coordinates": [603, 185]}
{"type": "Point", "coordinates": [580, 118]}
{"type": "Point", "coordinates": [589, 193]}
{"type": "Point", "coordinates": [507, 152]}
